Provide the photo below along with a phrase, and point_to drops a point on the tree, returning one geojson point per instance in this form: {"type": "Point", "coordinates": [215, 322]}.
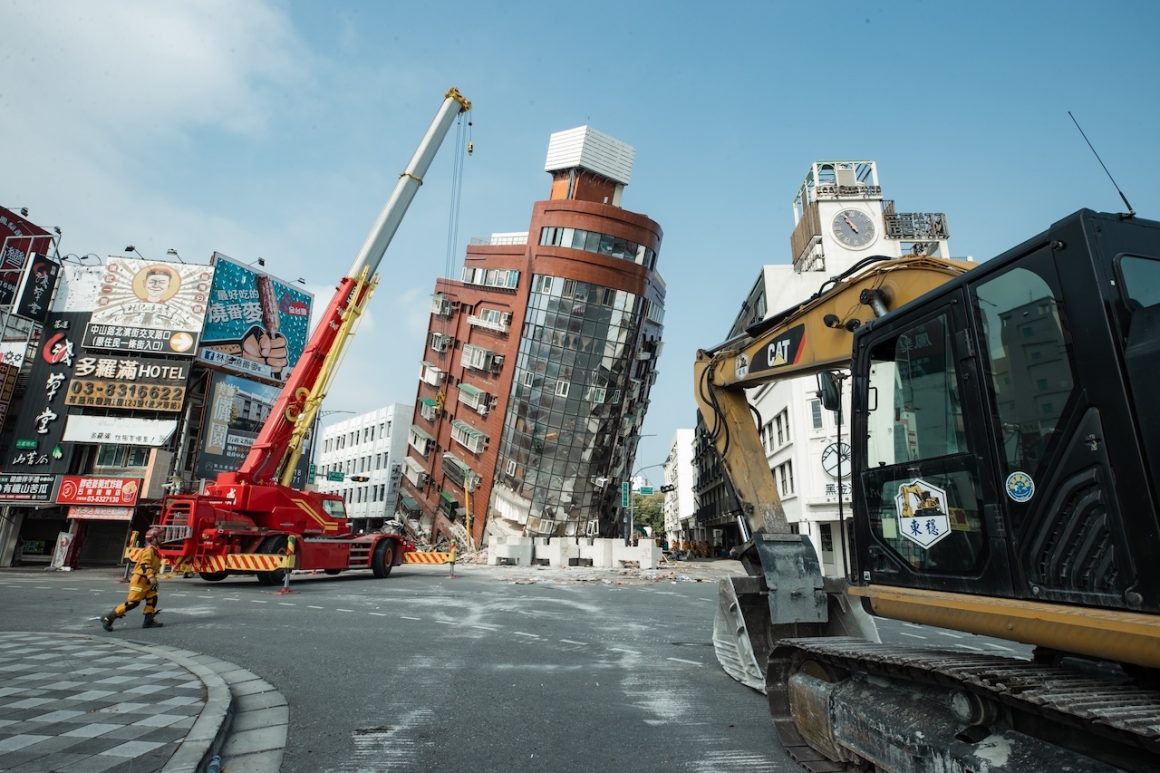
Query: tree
{"type": "Point", "coordinates": [649, 511]}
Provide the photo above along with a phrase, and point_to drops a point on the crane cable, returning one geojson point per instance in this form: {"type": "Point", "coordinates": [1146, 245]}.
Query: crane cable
{"type": "Point", "coordinates": [457, 189]}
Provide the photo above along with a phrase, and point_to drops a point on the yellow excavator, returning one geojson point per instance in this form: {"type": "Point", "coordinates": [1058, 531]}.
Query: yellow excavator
{"type": "Point", "coordinates": [1005, 454]}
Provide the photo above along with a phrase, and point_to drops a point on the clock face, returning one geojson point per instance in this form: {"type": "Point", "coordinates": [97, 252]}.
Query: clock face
{"type": "Point", "coordinates": [853, 228]}
{"type": "Point", "coordinates": [832, 455]}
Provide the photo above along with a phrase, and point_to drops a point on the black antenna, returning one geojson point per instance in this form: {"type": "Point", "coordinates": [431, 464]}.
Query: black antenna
{"type": "Point", "coordinates": [1131, 212]}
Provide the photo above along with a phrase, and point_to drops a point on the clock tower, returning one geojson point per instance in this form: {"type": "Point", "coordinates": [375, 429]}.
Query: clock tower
{"type": "Point", "coordinates": [840, 218]}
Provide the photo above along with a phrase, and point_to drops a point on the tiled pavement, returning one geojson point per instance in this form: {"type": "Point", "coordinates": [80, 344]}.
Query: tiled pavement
{"type": "Point", "coordinates": [85, 704]}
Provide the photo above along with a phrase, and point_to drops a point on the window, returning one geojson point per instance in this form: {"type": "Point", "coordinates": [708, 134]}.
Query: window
{"type": "Point", "coordinates": [816, 413]}
{"type": "Point", "coordinates": [1025, 338]}
{"type": "Point", "coordinates": [784, 474]}
{"type": "Point", "coordinates": [562, 388]}
{"type": "Point", "coordinates": [782, 423]}
{"type": "Point", "coordinates": [826, 535]}
{"type": "Point", "coordinates": [122, 456]}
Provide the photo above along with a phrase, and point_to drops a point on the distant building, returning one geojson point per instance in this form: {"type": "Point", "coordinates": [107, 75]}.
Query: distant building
{"type": "Point", "coordinates": [539, 360]}
{"type": "Point", "coordinates": [680, 475]}
{"type": "Point", "coordinates": [840, 218]}
{"type": "Point", "coordinates": [361, 458]}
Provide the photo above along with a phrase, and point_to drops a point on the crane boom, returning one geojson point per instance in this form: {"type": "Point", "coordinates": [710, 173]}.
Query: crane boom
{"type": "Point", "coordinates": [276, 450]}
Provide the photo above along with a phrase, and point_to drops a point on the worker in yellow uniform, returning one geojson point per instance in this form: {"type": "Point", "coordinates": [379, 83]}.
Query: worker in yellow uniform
{"type": "Point", "coordinates": [142, 584]}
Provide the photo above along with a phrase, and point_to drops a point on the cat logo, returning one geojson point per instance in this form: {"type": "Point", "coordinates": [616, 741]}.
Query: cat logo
{"type": "Point", "coordinates": [778, 353]}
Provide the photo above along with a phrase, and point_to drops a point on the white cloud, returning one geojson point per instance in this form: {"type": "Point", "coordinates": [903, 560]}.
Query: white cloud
{"type": "Point", "coordinates": [97, 94]}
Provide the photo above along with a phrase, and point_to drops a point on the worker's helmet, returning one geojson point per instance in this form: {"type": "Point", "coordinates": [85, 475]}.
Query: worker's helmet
{"type": "Point", "coordinates": [154, 534]}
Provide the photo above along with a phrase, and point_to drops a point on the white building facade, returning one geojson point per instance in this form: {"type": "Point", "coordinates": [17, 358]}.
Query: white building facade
{"type": "Point", "coordinates": [680, 473]}
{"type": "Point", "coordinates": [840, 220]}
{"type": "Point", "coordinates": [362, 459]}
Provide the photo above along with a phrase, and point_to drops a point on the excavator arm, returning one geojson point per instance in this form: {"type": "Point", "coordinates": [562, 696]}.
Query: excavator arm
{"type": "Point", "coordinates": [804, 340]}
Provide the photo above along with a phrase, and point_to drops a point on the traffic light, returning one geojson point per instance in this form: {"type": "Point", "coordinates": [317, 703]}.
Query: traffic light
{"type": "Point", "coordinates": [667, 488]}
{"type": "Point", "coordinates": [359, 478]}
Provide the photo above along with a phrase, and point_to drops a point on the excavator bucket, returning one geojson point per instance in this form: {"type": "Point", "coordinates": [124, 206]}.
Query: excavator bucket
{"type": "Point", "coordinates": [740, 631]}
{"type": "Point", "coordinates": [788, 598]}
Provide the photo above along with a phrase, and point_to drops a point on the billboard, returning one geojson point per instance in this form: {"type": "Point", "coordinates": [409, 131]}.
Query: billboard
{"type": "Point", "coordinates": [36, 288]}
{"type": "Point", "coordinates": [235, 412]}
{"type": "Point", "coordinates": [26, 488]}
{"type": "Point", "coordinates": [93, 490]}
{"type": "Point", "coordinates": [146, 307]}
{"type": "Point", "coordinates": [18, 238]}
{"type": "Point", "coordinates": [119, 430]}
{"type": "Point", "coordinates": [255, 325]}
{"type": "Point", "coordinates": [128, 383]}
{"type": "Point", "coordinates": [37, 438]}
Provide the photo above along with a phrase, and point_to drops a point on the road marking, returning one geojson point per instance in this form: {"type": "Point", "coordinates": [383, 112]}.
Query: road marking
{"type": "Point", "coordinates": [70, 588]}
{"type": "Point", "coordinates": [952, 635]}
{"type": "Point", "coordinates": [998, 647]}
{"type": "Point", "coordinates": [257, 601]}
{"type": "Point", "coordinates": [486, 627]}
{"type": "Point", "coordinates": [913, 625]}
{"type": "Point", "coordinates": [312, 606]}
{"type": "Point", "coordinates": [42, 587]}
{"type": "Point", "coordinates": [569, 641]}
{"type": "Point", "coordinates": [682, 660]}
{"type": "Point", "coordinates": [529, 635]}
{"type": "Point", "coordinates": [446, 622]}
{"type": "Point", "coordinates": [911, 635]}
{"type": "Point", "coordinates": [378, 614]}
{"type": "Point", "coordinates": [630, 652]}
{"type": "Point", "coordinates": [969, 647]}
{"type": "Point", "coordinates": [285, 603]}
{"type": "Point", "coordinates": [410, 618]}
{"type": "Point", "coordinates": [343, 610]}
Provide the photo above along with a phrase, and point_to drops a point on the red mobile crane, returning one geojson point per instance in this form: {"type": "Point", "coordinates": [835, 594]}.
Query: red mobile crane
{"type": "Point", "coordinates": [251, 521]}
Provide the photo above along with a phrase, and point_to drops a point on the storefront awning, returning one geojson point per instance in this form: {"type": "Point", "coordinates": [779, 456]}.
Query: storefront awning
{"type": "Point", "coordinates": [415, 466]}
{"type": "Point", "coordinates": [410, 504]}
{"type": "Point", "coordinates": [419, 431]}
{"type": "Point", "coordinates": [469, 389]}
{"type": "Point", "coordinates": [447, 497]}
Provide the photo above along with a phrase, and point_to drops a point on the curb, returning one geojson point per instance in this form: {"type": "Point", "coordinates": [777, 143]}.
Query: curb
{"type": "Point", "coordinates": [208, 734]}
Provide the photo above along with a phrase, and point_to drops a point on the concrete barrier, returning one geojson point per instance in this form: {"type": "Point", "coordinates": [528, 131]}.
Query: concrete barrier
{"type": "Point", "coordinates": [597, 552]}
{"type": "Point", "coordinates": [517, 551]}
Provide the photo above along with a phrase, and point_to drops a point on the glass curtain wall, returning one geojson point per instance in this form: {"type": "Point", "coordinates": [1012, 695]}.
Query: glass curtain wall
{"type": "Point", "coordinates": [560, 430]}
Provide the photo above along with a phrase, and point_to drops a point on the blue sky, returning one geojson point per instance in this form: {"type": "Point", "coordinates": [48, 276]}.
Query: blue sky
{"type": "Point", "coordinates": [278, 129]}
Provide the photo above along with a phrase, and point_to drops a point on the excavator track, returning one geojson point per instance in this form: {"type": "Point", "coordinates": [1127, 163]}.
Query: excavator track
{"type": "Point", "coordinates": [1088, 721]}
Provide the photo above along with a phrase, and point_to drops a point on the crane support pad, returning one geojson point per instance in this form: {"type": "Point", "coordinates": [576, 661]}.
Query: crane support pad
{"type": "Point", "coordinates": [429, 557]}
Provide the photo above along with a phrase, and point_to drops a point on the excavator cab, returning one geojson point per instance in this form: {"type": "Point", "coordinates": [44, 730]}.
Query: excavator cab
{"type": "Point", "coordinates": [1004, 441]}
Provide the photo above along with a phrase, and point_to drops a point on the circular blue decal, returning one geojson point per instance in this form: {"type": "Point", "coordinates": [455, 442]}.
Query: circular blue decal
{"type": "Point", "coordinates": [1020, 487]}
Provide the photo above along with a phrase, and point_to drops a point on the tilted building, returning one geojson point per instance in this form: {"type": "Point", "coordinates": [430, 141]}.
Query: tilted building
{"type": "Point", "coordinates": [539, 360]}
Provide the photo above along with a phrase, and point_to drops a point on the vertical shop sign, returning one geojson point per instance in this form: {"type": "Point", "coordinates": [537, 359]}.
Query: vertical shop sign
{"type": "Point", "coordinates": [37, 443]}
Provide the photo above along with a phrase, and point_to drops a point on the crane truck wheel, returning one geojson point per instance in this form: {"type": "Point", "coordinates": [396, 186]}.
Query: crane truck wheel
{"type": "Point", "coordinates": [384, 558]}
{"type": "Point", "coordinates": [213, 576]}
{"type": "Point", "coordinates": [275, 545]}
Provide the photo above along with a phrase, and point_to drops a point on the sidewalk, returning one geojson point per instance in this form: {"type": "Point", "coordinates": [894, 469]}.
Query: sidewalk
{"type": "Point", "coordinates": [84, 704]}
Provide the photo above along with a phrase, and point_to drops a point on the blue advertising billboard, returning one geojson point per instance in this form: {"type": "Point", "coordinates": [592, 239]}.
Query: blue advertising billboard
{"type": "Point", "coordinates": [255, 325]}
